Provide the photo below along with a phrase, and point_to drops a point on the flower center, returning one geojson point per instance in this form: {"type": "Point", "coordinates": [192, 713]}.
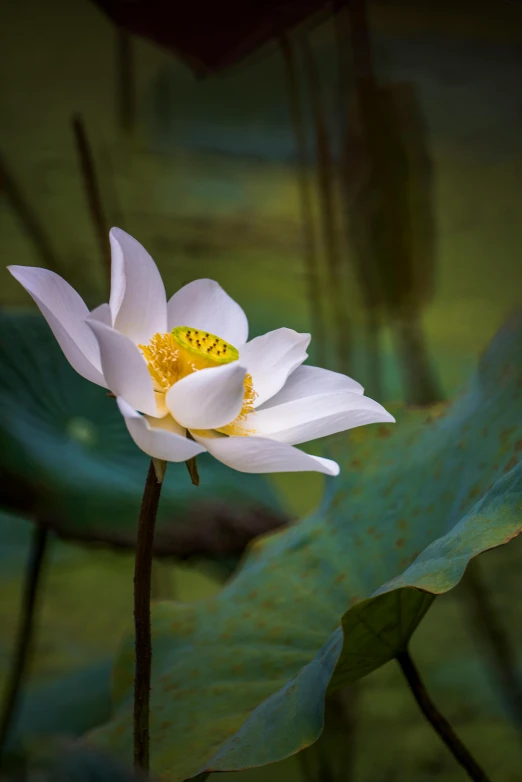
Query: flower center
{"type": "Point", "coordinates": [182, 351]}
{"type": "Point", "coordinates": [185, 350]}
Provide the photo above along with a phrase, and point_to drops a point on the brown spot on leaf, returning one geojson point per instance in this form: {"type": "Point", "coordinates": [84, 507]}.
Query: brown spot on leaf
{"type": "Point", "coordinates": [399, 543]}
{"type": "Point", "coordinates": [506, 433]}
{"type": "Point", "coordinates": [474, 491]}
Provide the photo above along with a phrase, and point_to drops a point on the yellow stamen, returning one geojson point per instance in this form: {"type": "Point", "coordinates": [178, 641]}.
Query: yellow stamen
{"type": "Point", "coordinates": [236, 427]}
{"type": "Point", "coordinates": [162, 356]}
{"type": "Point", "coordinates": [249, 398]}
{"type": "Point", "coordinates": [185, 350]}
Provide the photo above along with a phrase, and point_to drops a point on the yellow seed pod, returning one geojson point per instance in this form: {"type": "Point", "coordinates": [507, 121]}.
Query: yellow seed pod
{"type": "Point", "coordinates": [201, 349]}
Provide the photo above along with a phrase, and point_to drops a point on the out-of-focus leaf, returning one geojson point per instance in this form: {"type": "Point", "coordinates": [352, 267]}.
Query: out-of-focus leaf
{"type": "Point", "coordinates": [468, 681]}
{"type": "Point", "coordinates": [84, 765]}
{"type": "Point", "coordinates": [64, 707]}
{"type": "Point", "coordinates": [15, 538]}
{"type": "Point", "coordinates": [60, 762]}
{"type": "Point", "coordinates": [66, 457]}
{"type": "Point", "coordinates": [15, 542]}
{"type": "Point", "coordinates": [54, 714]}
{"type": "Point", "coordinates": [240, 680]}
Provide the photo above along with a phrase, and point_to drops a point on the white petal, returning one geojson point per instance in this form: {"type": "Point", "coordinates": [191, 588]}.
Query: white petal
{"type": "Point", "coordinates": [65, 311]}
{"type": "Point", "coordinates": [204, 305]}
{"type": "Point", "coordinates": [138, 302]}
{"type": "Point", "coordinates": [124, 368]}
{"type": "Point", "coordinates": [102, 313]}
{"type": "Point", "coordinates": [161, 438]}
{"type": "Point", "coordinates": [316, 416]}
{"type": "Point", "coordinates": [208, 399]}
{"type": "Point", "coordinates": [271, 358]}
{"type": "Point", "coordinates": [260, 455]}
{"type": "Point", "coordinates": [309, 381]}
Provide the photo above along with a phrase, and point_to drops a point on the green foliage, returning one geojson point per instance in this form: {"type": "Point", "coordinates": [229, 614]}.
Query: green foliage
{"type": "Point", "coordinates": [84, 765]}
{"type": "Point", "coordinates": [63, 707]}
{"type": "Point", "coordinates": [240, 680]}
{"type": "Point", "coordinates": [66, 457]}
{"type": "Point", "coordinates": [15, 539]}
{"type": "Point", "coordinates": [62, 763]}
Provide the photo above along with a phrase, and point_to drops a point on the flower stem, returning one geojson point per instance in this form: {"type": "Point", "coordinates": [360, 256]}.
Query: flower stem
{"type": "Point", "coordinates": [142, 586]}
{"type": "Point", "coordinates": [25, 632]}
{"type": "Point", "coordinates": [438, 722]}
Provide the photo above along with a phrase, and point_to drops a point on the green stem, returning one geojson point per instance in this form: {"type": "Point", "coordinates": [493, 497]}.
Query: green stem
{"type": "Point", "coordinates": [439, 723]}
{"type": "Point", "coordinates": [25, 631]}
{"type": "Point", "coordinates": [421, 386]}
{"type": "Point", "coordinates": [312, 269]}
{"type": "Point", "coordinates": [326, 190]}
{"type": "Point", "coordinates": [142, 588]}
{"type": "Point", "coordinates": [92, 191]}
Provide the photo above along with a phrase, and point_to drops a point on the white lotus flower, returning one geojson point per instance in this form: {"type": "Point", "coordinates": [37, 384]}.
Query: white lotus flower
{"type": "Point", "coordinates": [186, 366]}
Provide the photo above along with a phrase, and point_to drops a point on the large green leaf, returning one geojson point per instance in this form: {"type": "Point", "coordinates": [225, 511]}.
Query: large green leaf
{"type": "Point", "coordinates": [240, 680]}
{"type": "Point", "coordinates": [67, 457]}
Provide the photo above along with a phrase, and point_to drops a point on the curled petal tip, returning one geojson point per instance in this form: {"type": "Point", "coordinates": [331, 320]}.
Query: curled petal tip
{"type": "Point", "coordinates": [333, 468]}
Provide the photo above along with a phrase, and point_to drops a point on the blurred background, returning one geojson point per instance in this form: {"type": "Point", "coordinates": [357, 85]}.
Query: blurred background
{"type": "Point", "coordinates": [346, 168]}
